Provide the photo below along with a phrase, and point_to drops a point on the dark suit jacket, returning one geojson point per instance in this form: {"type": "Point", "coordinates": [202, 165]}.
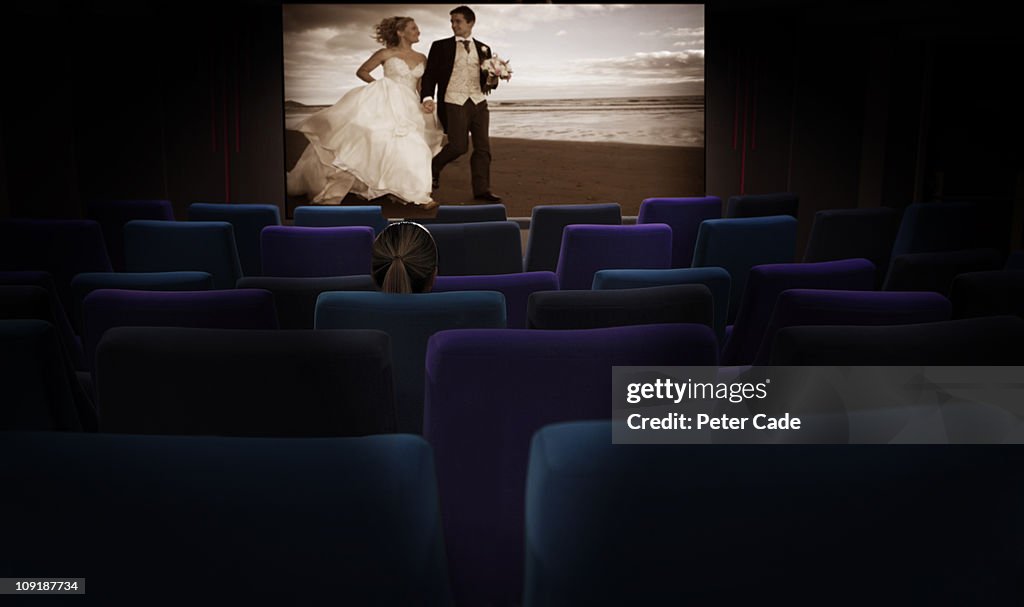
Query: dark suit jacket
{"type": "Point", "coordinates": [440, 62]}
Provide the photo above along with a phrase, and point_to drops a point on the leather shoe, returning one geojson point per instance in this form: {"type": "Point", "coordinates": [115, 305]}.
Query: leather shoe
{"type": "Point", "coordinates": [487, 196]}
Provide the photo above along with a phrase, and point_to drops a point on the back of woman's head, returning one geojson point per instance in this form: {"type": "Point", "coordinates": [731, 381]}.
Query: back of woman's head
{"type": "Point", "coordinates": [404, 259]}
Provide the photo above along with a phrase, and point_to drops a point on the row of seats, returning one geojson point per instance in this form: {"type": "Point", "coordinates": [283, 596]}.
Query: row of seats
{"type": "Point", "coordinates": [356, 521]}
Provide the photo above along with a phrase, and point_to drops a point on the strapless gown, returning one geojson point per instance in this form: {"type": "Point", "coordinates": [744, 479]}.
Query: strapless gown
{"type": "Point", "coordinates": [374, 141]}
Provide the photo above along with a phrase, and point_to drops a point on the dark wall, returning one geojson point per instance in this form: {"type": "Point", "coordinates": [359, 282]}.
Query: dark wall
{"type": "Point", "coordinates": [847, 104]}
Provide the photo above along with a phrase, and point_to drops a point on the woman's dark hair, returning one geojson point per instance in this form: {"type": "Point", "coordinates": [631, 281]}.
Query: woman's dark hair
{"type": "Point", "coordinates": [466, 12]}
{"type": "Point", "coordinates": [404, 259]}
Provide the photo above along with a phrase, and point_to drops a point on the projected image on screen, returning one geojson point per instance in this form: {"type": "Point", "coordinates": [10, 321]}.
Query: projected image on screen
{"type": "Point", "coordinates": [594, 104]}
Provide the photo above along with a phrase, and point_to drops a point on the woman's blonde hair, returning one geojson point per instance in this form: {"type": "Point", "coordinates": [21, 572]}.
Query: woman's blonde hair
{"type": "Point", "coordinates": [404, 258]}
{"type": "Point", "coordinates": [387, 30]}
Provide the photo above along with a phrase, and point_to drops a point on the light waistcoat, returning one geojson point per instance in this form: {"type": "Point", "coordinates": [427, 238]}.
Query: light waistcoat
{"type": "Point", "coordinates": [465, 81]}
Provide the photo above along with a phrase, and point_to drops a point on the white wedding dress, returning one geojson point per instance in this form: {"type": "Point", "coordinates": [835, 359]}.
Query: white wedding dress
{"type": "Point", "coordinates": [374, 141]}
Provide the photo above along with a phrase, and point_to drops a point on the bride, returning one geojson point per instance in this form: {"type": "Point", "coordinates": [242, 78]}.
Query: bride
{"type": "Point", "coordinates": [377, 140]}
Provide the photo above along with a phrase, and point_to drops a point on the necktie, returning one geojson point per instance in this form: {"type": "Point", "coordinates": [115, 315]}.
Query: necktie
{"type": "Point", "coordinates": [465, 44]}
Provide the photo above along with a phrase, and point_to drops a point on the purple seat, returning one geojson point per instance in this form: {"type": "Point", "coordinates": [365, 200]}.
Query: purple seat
{"type": "Point", "coordinates": [589, 248]}
{"type": "Point", "coordinates": [990, 340]}
{"type": "Point", "coordinates": [62, 247]}
{"type": "Point", "coordinates": [223, 309]}
{"type": "Point", "coordinates": [764, 284]}
{"type": "Point", "coordinates": [515, 287]}
{"type": "Point", "coordinates": [292, 251]}
{"type": "Point", "coordinates": [547, 222]}
{"type": "Point", "coordinates": [796, 307]}
{"type": "Point", "coordinates": [684, 216]}
{"type": "Point", "coordinates": [113, 214]}
{"type": "Point", "coordinates": [488, 391]}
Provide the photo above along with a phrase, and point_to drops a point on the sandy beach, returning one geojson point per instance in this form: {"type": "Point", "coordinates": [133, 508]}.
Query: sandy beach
{"type": "Point", "coordinates": [528, 172]}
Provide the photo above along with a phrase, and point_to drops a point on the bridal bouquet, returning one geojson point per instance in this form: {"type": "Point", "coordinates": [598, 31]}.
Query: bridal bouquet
{"type": "Point", "coordinates": [496, 67]}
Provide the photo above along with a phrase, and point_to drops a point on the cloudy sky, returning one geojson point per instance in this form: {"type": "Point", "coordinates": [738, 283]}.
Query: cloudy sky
{"type": "Point", "coordinates": [556, 51]}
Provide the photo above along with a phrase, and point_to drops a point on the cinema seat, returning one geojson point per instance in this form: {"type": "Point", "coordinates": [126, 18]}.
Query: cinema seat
{"type": "Point", "coordinates": [684, 216]}
{"type": "Point", "coordinates": [297, 252]}
{"type": "Point", "coordinates": [798, 307]}
{"type": "Point", "coordinates": [487, 392]}
{"type": "Point", "coordinates": [715, 279]}
{"type": "Point", "coordinates": [87, 282]}
{"type": "Point", "coordinates": [587, 249]}
{"type": "Point", "coordinates": [936, 271]}
{"type": "Point", "coordinates": [764, 284]}
{"type": "Point", "coordinates": [611, 524]}
{"type": "Point", "coordinates": [515, 287]}
{"type": "Point", "coordinates": [170, 246]}
{"type": "Point", "coordinates": [251, 382]}
{"type": "Point", "coordinates": [324, 216]}
{"type": "Point", "coordinates": [763, 205]}
{"type": "Point", "coordinates": [295, 298]}
{"type": "Point", "coordinates": [547, 222]}
{"type": "Point", "coordinates": [57, 314]}
{"type": "Point", "coordinates": [477, 248]}
{"type": "Point", "coordinates": [410, 320]}
{"type": "Point", "coordinates": [740, 244]}
{"type": "Point", "coordinates": [991, 340]}
{"type": "Point", "coordinates": [457, 213]}
{"type": "Point", "coordinates": [988, 293]}
{"type": "Point", "coordinates": [248, 221]}
{"type": "Point", "coordinates": [621, 307]}
{"type": "Point", "coordinates": [849, 233]}
{"type": "Point", "coordinates": [238, 520]}
{"type": "Point", "coordinates": [113, 214]}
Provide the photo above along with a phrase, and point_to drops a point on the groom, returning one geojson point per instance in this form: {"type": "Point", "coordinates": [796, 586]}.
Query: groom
{"type": "Point", "coordinates": [453, 67]}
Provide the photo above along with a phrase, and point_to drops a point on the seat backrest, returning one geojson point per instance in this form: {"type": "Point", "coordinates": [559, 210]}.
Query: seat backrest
{"type": "Point", "coordinates": [410, 320]}
{"type": "Point", "coordinates": [587, 249]}
{"type": "Point", "coordinates": [478, 248]}
{"type": "Point", "coordinates": [248, 221]}
{"type": "Point", "coordinates": [231, 382]}
{"type": "Point", "coordinates": [488, 391]}
{"type": "Point", "coordinates": [991, 340]}
{"type": "Point", "coordinates": [310, 216]}
{"type": "Point", "coordinates": [87, 282]}
{"type": "Point", "coordinates": [848, 233]}
{"type": "Point", "coordinates": [764, 284]}
{"type": "Point", "coordinates": [935, 271]}
{"type": "Point", "coordinates": [295, 298]}
{"type": "Point", "coordinates": [740, 244]}
{"type": "Point", "coordinates": [796, 307]}
{"type": "Point", "coordinates": [515, 287]}
{"type": "Point", "coordinates": [58, 314]}
{"type": "Point", "coordinates": [621, 307]}
{"type": "Point", "coordinates": [220, 309]}
{"type": "Point", "coordinates": [783, 506]}
{"type": "Point", "coordinates": [454, 213]}
{"type": "Point", "coordinates": [994, 293]}
{"type": "Point", "coordinates": [169, 246]}
{"type": "Point", "coordinates": [763, 205]}
{"type": "Point", "coordinates": [684, 216]}
{"type": "Point", "coordinates": [299, 252]}
{"type": "Point", "coordinates": [248, 520]}
{"type": "Point", "coordinates": [546, 223]}
{"type": "Point", "coordinates": [113, 214]}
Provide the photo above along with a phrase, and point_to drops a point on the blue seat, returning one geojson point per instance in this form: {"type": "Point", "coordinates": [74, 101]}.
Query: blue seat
{"type": "Point", "coordinates": [849, 233]}
{"type": "Point", "coordinates": [611, 524]}
{"type": "Point", "coordinates": [478, 248]}
{"type": "Point", "coordinates": [515, 287]}
{"type": "Point", "coordinates": [410, 320]}
{"type": "Point", "coordinates": [248, 221]}
{"type": "Point", "coordinates": [113, 214]}
{"type": "Point", "coordinates": [295, 298]}
{"type": "Point", "coordinates": [740, 244]}
{"type": "Point", "coordinates": [547, 222]}
{"type": "Point", "coordinates": [325, 216]}
{"type": "Point", "coordinates": [289, 521]}
{"type": "Point", "coordinates": [169, 246]}
{"type": "Point", "coordinates": [684, 216]}
{"type": "Point", "coordinates": [456, 213]}
{"type": "Point", "coordinates": [715, 279]}
{"type": "Point", "coordinates": [928, 227]}
{"type": "Point", "coordinates": [291, 251]}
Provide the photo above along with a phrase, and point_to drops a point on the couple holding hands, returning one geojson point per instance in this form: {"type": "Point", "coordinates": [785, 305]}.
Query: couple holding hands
{"type": "Point", "coordinates": [385, 138]}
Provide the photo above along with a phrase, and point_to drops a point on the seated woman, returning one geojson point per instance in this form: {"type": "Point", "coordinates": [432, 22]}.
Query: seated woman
{"type": "Point", "coordinates": [404, 259]}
